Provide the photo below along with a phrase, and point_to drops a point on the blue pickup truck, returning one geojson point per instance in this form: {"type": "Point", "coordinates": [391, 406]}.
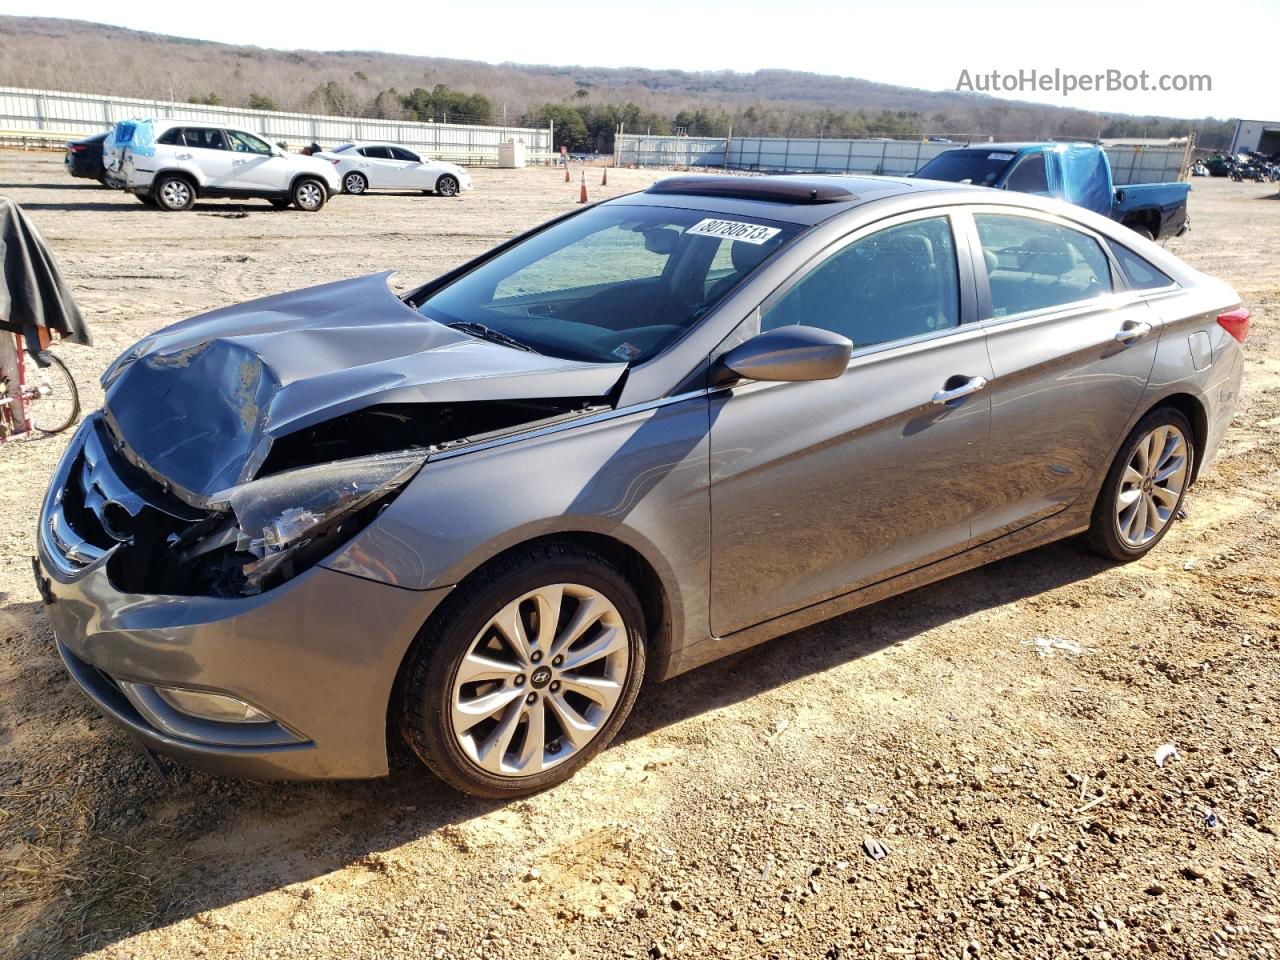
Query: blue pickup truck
{"type": "Point", "coordinates": [1076, 172]}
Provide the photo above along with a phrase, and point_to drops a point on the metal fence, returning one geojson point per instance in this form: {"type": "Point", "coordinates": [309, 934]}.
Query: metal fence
{"type": "Point", "coordinates": [81, 114]}
{"type": "Point", "coordinates": [1129, 164]}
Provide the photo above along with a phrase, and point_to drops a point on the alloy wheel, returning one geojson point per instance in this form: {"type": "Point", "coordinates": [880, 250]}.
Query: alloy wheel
{"type": "Point", "coordinates": [175, 193]}
{"type": "Point", "coordinates": [1151, 485]}
{"type": "Point", "coordinates": [354, 183]}
{"type": "Point", "coordinates": [540, 680]}
{"type": "Point", "coordinates": [310, 196]}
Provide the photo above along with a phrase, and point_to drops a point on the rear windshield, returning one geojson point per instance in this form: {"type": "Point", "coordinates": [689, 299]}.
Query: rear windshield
{"type": "Point", "coordinates": [345, 146]}
{"type": "Point", "coordinates": [613, 283]}
{"type": "Point", "coordinates": [982, 167]}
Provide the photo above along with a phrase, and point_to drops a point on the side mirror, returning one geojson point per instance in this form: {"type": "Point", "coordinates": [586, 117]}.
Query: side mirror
{"type": "Point", "coordinates": [787, 353]}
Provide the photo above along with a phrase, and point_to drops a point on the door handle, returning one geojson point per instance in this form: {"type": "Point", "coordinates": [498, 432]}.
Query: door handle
{"type": "Point", "coordinates": [236, 163]}
{"type": "Point", "coordinates": [1133, 331]}
{"type": "Point", "coordinates": [184, 156]}
{"type": "Point", "coordinates": [972, 385]}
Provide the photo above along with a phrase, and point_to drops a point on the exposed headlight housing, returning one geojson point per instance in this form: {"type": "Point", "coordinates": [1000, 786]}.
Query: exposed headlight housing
{"type": "Point", "coordinates": [279, 516]}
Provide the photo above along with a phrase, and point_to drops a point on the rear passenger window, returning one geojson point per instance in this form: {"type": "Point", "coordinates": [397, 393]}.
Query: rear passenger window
{"type": "Point", "coordinates": [376, 153]}
{"type": "Point", "coordinates": [1034, 265]}
{"type": "Point", "coordinates": [1029, 176]}
{"type": "Point", "coordinates": [1140, 274]}
{"type": "Point", "coordinates": [171, 137]}
{"type": "Point", "coordinates": [205, 138]}
{"type": "Point", "coordinates": [897, 283]}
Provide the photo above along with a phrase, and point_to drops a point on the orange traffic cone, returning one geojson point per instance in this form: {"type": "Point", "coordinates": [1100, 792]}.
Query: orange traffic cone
{"type": "Point", "coordinates": [566, 171]}
{"type": "Point", "coordinates": [582, 194]}
{"type": "Point", "coordinates": [604, 179]}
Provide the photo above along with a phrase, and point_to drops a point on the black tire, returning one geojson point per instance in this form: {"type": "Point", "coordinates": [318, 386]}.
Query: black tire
{"type": "Point", "coordinates": [1142, 230]}
{"type": "Point", "coordinates": [173, 193]}
{"type": "Point", "coordinates": [355, 184]}
{"type": "Point", "coordinates": [1103, 536]}
{"type": "Point", "coordinates": [308, 194]}
{"type": "Point", "coordinates": [426, 681]}
{"type": "Point", "coordinates": [61, 408]}
{"type": "Point", "coordinates": [447, 186]}
{"type": "Point", "coordinates": [280, 203]}
{"type": "Point", "coordinates": [145, 199]}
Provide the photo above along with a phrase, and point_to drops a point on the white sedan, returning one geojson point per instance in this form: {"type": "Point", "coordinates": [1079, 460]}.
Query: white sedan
{"type": "Point", "coordinates": [385, 166]}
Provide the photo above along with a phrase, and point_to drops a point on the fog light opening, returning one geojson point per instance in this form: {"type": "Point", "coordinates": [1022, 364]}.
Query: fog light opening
{"type": "Point", "coordinates": [211, 706]}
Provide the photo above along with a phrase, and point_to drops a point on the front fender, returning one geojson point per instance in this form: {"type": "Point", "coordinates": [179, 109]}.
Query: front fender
{"type": "Point", "coordinates": [639, 477]}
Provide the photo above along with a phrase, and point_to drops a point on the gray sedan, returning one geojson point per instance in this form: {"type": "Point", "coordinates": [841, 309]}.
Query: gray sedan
{"type": "Point", "coordinates": [638, 438]}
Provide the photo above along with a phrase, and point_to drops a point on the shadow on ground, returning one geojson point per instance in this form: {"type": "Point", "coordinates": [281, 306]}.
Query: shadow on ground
{"type": "Point", "coordinates": [189, 835]}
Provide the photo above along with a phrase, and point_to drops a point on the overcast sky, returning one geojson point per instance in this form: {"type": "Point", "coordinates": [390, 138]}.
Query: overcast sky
{"type": "Point", "coordinates": [918, 43]}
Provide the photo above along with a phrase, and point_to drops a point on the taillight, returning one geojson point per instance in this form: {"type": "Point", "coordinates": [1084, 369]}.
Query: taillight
{"type": "Point", "coordinates": [335, 162]}
{"type": "Point", "coordinates": [78, 148]}
{"type": "Point", "coordinates": [1236, 322]}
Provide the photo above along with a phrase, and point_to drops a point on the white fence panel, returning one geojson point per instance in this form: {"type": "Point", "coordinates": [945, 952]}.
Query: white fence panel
{"type": "Point", "coordinates": [84, 114]}
{"type": "Point", "coordinates": [1129, 164]}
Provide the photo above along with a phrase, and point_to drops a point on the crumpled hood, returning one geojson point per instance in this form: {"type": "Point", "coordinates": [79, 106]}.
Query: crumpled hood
{"type": "Point", "coordinates": [199, 403]}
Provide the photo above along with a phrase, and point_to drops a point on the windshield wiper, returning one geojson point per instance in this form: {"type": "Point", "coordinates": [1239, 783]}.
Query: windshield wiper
{"type": "Point", "coordinates": [479, 330]}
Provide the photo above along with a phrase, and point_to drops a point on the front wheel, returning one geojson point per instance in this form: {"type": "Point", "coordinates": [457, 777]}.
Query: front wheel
{"type": "Point", "coordinates": [527, 674]}
{"type": "Point", "coordinates": [54, 402]}
{"type": "Point", "coordinates": [447, 186]}
{"type": "Point", "coordinates": [308, 195]}
{"type": "Point", "coordinates": [1144, 488]}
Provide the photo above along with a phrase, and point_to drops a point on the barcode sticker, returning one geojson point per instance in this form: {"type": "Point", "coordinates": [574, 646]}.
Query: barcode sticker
{"type": "Point", "coordinates": [733, 230]}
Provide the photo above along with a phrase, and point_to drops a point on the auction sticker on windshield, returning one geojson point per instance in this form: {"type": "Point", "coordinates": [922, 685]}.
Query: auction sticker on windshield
{"type": "Point", "coordinates": [733, 230]}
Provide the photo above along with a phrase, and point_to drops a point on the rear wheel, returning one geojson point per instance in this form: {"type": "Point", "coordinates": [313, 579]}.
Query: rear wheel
{"type": "Point", "coordinates": [173, 193]}
{"type": "Point", "coordinates": [527, 674]}
{"type": "Point", "coordinates": [1142, 230]}
{"type": "Point", "coordinates": [355, 183]}
{"type": "Point", "coordinates": [308, 195]}
{"type": "Point", "coordinates": [1144, 488]}
{"type": "Point", "coordinates": [55, 402]}
{"type": "Point", "coordinates": [447, 186]}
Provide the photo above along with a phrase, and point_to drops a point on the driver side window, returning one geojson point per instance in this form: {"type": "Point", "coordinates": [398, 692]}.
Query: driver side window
{"type": "Point", "coordinates": [896, 283]}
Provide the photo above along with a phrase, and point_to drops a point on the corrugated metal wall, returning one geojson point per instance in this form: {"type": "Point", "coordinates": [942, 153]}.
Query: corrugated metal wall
{"type": "Point", "coordinates": [1129, 164]}
{"type": "Point", "coordinates": [80, 113]}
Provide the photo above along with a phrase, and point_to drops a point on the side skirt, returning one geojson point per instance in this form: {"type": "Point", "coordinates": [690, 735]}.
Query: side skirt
{"type": "Point", "coordinates": [1058, 527]}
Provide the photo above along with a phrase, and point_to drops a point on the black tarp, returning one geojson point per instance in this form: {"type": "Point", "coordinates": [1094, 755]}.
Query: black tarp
{"type": "Point", "coordinates": [33, 294]}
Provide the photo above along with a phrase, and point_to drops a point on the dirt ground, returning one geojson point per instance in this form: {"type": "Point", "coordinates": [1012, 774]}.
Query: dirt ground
{"type": "Point", "coordinates": [996, 732]}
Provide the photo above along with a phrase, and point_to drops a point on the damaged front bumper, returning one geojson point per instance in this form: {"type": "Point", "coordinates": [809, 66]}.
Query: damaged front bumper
{"type": "Point", "coordinates": [316, 657]}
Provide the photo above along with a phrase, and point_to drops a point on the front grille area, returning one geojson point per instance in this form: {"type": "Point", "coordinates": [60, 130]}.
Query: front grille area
{"type": "Point", "coordinates": [107, 503]}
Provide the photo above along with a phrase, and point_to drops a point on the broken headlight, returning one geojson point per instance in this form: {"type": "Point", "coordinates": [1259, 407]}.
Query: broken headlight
{"type": "Point", "coordinates": [278, 519]}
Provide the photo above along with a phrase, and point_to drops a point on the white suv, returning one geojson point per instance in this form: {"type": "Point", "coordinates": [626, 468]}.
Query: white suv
{"type": "Point", "coordinates": [170, 163]}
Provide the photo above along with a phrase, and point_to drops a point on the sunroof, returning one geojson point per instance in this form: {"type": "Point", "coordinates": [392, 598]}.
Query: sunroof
{"type": "Point", "coordinates": [771, 189]}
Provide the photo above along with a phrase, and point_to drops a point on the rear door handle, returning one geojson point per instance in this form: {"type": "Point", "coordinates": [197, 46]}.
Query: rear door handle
{"type": "Point", "coordinates": [972, 385]}
{"type": "Point", "coordinates": [1133, 331]}
{"type": "Point", "coordinates": [236, 163]}
{"type": "Point", "coordinates": [184, 156]}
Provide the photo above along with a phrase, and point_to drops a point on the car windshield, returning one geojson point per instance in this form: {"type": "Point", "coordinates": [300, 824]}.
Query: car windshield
{"type": "Point", "coordinates": [613, 283]}
{"type": "Point", "coordinates": [982, 167]}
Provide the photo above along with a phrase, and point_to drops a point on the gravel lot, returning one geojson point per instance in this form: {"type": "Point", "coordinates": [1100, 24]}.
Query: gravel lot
{"type": "Point", "coordinates": [995, 733]}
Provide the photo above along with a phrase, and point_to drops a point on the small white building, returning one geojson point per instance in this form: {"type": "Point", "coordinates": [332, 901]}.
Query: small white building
{"type": "Point", "coordinates": [1260, 135]}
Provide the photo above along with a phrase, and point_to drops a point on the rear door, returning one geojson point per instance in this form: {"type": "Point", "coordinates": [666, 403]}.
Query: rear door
{"type": "Point", "coordinates": [1071, 350]}
{"type": "Point", "coordinates": [818, 488]}
{"type": "Point", "coordinates": [206, 148]}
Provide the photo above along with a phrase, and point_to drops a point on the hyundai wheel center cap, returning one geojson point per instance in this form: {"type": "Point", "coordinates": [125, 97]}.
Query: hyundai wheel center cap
{"type": "Point", "coordinates": [540, 677]}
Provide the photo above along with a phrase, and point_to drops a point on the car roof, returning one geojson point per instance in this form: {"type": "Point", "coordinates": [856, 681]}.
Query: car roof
{"type": "Point", "coordinates": [804, 199]}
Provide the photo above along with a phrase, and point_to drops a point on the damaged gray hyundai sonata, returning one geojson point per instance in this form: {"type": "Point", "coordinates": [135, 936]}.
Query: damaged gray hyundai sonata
{"type": "Point", "coordinates": [640, 437]}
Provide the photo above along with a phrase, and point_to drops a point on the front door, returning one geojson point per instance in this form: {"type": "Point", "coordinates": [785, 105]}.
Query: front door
{"type": "Point", "coordinates": [818, 488]}
{"type": "Point", "coordinates": [257, 168]}
{"type": "Point", "coordinates": [1072, 353]}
